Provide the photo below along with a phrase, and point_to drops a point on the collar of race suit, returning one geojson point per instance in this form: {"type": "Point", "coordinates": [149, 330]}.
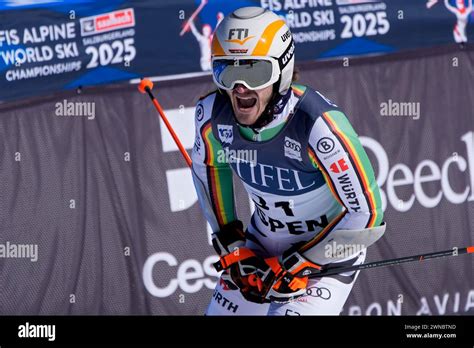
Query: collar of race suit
{"type": "Point", "coordinates": [272, 119]}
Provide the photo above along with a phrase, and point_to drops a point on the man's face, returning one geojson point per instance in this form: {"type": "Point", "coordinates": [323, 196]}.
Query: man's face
{"type": "Point", "coordinates": [249, 104]}
{"type": "Point", "coordinates": [206, 30]}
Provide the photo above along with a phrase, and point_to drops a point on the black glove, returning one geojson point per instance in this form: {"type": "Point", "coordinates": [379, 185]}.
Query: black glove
{"type": "Point", "coordinates": [230, 237]}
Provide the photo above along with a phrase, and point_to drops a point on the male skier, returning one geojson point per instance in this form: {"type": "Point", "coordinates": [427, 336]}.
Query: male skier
{"type": "Point", "coordinates": [204, 40]}
{"type": "Point", "coordinates": [302, 165]}
{"type": "Point", "coordinates": [462, 14]}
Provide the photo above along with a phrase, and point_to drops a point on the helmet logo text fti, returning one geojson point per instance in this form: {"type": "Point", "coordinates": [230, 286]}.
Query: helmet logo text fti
{"type": "Point", "coordinates": [239, 35]}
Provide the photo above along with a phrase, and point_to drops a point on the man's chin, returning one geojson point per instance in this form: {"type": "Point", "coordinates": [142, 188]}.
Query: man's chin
{"type": "Point", "coordinates": [246, 118]}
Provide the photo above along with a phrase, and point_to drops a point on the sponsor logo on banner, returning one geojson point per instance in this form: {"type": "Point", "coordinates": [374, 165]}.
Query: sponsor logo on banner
{"type": "Point", "coordinates": [292, 149]}
{"type": "Point", "coordinates": [459, 302]}
{"type": "Point", "coordinates": [226, 133]}
{"type": "Point", "coordinates": [57, 49]}
{"type": "Point", "coordinates": [107, 22]}
{"type": "Point", "coordinates": [399, 176]}
{"type": "Point", "coordinates": [190, 275]}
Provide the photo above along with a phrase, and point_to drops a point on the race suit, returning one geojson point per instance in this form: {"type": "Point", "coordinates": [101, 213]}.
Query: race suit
{"type": "Point", "coordinates": [307, 177]}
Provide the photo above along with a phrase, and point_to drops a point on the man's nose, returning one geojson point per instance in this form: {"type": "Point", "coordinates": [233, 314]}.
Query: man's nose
{"type": "Point", "coordinates": [240, 88]}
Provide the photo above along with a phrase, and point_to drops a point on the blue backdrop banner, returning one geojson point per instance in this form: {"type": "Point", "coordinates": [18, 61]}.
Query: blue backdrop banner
{"type": "Point", "coordinates": [46, 46]}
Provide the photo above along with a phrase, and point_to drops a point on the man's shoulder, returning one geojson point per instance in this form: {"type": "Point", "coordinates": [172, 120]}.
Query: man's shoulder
{"type": "Point", "coordinates": [298, 89]}
{"type": "Point", "coordinates": [203, 110]}
{"type": "Point", "coordinates": [211, 107]}
{"type": "Point", "coordinates": [313, 103]}
{"type": "Point", "coordinates": [211, 98]}
{"type": "Point", "coordinates": [210, 94]}
{"type": "Point", "coordinates": [214, 105]}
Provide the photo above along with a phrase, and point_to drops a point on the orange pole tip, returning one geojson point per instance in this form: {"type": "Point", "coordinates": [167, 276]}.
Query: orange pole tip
{"type": "Point", "coordinates": [470, 249]}
{"type": "Point", "coordinates": [144, 84]}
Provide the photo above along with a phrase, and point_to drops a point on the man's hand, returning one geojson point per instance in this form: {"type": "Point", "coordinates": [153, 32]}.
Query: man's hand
{"type": "Point", "coordinates": [289, 281]}
{"type": "Point", "coordinates": [240, 271]}
{"type": "Point", "coordinates": [244, 274]}
{"type": "Point", "coordinates": [280, 279]}
{"type": "Point", "coordinates": [238, 263]}
{"type": "Point", "coordinates": [277, 279]}
{"type": "Point", "coordinates": [229, 238]}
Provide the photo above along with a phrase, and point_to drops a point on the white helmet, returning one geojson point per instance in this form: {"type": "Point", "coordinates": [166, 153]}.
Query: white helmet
{"type": "Point", "coordinates": [253, 46]}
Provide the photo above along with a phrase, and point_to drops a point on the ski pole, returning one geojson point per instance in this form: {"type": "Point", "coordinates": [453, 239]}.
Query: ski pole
{"type": "Point", "coordinates": [145, 86]}
{"type": "Point", "coordinates": [195, 13]}
{"type": "Point", "coordinates": [318, 273]}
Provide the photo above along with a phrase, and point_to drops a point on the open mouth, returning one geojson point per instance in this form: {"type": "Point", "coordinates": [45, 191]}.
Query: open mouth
{"type": "Point", "coordinates": [246, 102]}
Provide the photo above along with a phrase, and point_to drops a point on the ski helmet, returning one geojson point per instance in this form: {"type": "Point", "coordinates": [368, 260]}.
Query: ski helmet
{"type": "Point", "coordinates": [253, 46]}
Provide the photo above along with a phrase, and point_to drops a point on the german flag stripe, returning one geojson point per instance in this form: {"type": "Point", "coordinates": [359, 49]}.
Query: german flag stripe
{"type": "Point", "coordinates": [206, 129]}
{"type": "Point", "coordinates": [327, 177]}
{"type": "Point", "coordinates": [357, 164]}
{"type": "Point", "coordinates": [214, 176]}
{"type": "Point", "coordinates": [323, 233]}
{"type": "Point", "coordinates": [298, 90]}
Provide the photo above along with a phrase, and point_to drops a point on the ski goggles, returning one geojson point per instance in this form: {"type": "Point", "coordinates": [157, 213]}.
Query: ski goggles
{"type": "Point", "coordinates": [252, 72]}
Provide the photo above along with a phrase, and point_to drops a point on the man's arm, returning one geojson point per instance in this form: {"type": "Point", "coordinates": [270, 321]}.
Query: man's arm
{"type": "Point", "coordinates": [195, 32]}
{"type": "Point", "coordinates": [335, 149]}
{"type": "Point", "coordinates": [212, 177]}
{"type": "Point", "coordinates": [450, 7]}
